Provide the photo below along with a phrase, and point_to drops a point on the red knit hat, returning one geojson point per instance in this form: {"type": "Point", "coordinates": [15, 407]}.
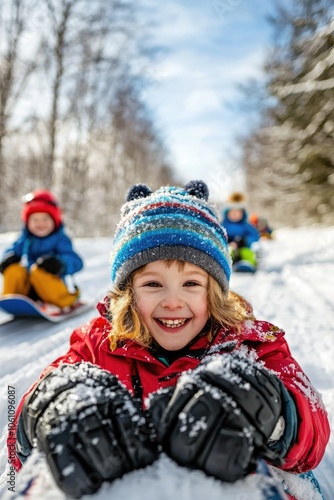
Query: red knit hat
{"type": "Point", "coordinates": [41, 200]}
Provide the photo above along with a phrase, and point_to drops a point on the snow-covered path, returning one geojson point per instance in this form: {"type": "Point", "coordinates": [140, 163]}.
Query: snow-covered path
{"type": "Point", "coordinates": [294, 289]}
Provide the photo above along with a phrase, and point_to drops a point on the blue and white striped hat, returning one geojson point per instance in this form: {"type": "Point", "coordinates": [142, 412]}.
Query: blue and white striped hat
{"type": "Point", "coordinates": [170, 223]}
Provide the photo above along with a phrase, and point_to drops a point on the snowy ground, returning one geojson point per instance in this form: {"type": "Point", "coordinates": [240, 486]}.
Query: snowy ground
{"type": "Point", "coordinates": [294, 289]}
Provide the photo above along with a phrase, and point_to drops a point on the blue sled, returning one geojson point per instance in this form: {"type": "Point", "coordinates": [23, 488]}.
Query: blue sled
{"type": "Point", "coordinates": [275, 490]}
{"type": "Point", "coordinates": [244, 266]}
{"type": "Point", "coordinates": [21, 306]}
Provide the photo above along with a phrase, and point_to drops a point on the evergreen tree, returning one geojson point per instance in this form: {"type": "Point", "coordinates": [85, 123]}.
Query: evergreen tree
{"type": "Point", "coordinates": [289, 159]}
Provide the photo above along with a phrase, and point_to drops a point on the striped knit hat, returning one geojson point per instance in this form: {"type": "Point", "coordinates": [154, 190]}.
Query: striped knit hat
{"type": "Point", "coordinates": [171, 223]}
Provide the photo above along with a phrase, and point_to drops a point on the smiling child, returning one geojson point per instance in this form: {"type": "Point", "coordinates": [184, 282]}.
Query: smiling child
{"type": "Point", "coordinates": [176, 363]}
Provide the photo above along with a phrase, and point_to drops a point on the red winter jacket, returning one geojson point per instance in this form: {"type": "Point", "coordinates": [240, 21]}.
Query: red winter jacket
{"type": "Point", "coordinates": [90, 343]}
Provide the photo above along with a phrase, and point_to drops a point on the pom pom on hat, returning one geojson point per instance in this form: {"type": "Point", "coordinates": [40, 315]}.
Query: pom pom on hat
{"type": "Point", "coordinates": [138, 191]}
{"type": "Point", "coordinates": [170, 223]}
{"type": "Point", "coordinates": [253, 219]}
{"type": "Point", "coordinates": [41, 200]}
{"type": "Point", "coordinates": [236, 198]}
{"type": "Point", "coordinates": [236, 201]}
{"type": "Point", "coordinates": [198, 189]}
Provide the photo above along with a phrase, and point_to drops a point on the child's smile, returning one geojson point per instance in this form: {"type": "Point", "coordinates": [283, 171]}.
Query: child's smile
{"type": "Point", "coordinates": [172, 323]}
{"type": "Point", "coordinates": [40, 224]}
{"type": "Point", "coordinates": [172, 301]}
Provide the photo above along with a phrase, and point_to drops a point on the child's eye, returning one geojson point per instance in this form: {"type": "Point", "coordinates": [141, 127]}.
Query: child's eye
{"type": "Point", "coordinates": [191, 283]}
{"type": "Point", "coordinates": [152, 284]}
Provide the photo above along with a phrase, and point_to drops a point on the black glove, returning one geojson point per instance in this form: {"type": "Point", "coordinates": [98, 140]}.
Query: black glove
{"type": "Point", "coordinates": [89, 427]}
{"type": "Point", "coordinates": [240, 241]}
{"type": "Point", "coordinates": [51, 264]}
{"type": "Point", "coordinates": [11, 258]}
{"type": "Point", "coordinates": [220, 417]}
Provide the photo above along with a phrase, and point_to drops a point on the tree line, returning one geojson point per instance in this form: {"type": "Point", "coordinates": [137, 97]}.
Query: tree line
{"type": "Point", "coordinates": [289, 155]}
{"type": "Point", "coordinates": [72, 117]}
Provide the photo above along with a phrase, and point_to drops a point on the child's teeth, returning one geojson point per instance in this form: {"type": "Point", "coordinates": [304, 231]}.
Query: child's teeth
{"type": "Point", "coordinates": [173, 323]}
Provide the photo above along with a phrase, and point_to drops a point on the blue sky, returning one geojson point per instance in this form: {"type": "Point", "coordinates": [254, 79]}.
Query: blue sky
{"type": "Point", "coordinates": [192, 88]}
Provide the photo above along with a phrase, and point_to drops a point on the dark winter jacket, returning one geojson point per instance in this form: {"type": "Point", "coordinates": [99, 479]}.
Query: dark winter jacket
{"type": "Point", "coordinates": [141, 371]}
{"type": "Point", "coordinates": [240, 230]}
{"type": "Point", "coordinates": [56, 244]}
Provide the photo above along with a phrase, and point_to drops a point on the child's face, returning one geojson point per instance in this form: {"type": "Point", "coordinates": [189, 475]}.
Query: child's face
{"type": "Point", "coordinates": [40, 224]}
{"type": "Point", "coordinates": [172, 302]}
{"type": "Point", "coordinates": [235, 215]}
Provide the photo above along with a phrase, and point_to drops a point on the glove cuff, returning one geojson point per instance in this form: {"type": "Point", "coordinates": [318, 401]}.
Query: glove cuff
{"type": "Point", "coordinates": [279, 430]}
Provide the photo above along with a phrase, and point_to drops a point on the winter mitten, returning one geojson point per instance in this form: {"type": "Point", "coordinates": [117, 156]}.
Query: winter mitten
{"type": "Point", "coordinates": [89, 427]}
{"type": "Point", "coordinates": [51, 264]}
{"type": "Point", "coordinates": [221, 416]}
{"type": "Point", "coordinates": [11, 258]}
{"type": "Point", "coordinates": [240, 242]}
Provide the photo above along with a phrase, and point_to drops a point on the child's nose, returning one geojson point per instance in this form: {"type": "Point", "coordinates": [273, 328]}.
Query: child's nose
{"type": "Point", "coordinates": [171, 300]}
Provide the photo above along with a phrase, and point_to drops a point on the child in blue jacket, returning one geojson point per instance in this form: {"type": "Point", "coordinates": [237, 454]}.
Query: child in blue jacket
{"type": "Point", "coordinates": [36, 264]}
{"type": "Point", "coordinates": [241, 234]}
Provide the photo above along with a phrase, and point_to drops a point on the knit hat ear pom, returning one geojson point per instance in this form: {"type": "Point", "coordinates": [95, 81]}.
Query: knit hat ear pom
{"type": "Point", "coordinates": [198, 189]}
{"type": "Point", "coordinates": [138, 191]}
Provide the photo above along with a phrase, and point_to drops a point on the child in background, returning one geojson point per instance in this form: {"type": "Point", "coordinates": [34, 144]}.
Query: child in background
{"type": "Point", "coordinates": [222, 387]}
{"type": "Point", "coordinates": [241, 234]}
{"type": "Point", "coordinates": [36, 264]}
{"type": "Point", "coordinates": [262, 226]}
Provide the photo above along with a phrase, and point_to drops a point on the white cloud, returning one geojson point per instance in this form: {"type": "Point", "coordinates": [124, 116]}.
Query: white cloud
{"type": "Point", "coordinates": [202, 101]}
{"type": "Point", "coordinates": [208, 56]}
{"type": "Point", "coordinates": [178, 22]}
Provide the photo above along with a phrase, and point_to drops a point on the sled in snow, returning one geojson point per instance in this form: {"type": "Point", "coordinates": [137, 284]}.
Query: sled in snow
{"type": "Point", "coordinates": [244, 260]}
{"type": "Point", "coordinates": [23, 307]}
{"type": "Point", "coordinates": [243, 266]}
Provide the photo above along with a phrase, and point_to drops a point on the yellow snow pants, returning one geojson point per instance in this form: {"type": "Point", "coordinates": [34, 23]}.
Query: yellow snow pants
{"type": "Point", "coordinates": [49, 288]}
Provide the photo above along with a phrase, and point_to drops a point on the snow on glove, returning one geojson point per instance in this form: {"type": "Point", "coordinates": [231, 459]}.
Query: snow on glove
{"type": "Point", "coordinates": [11, 258]}
{"type": "Point", "coordinates": [89, 426]}
{"type": "Point", "coordinates": [51, 264]}
{"type": "Point", "coordinates": [157, 403]}
{"type": "Point", "coordinates": [221, 416]}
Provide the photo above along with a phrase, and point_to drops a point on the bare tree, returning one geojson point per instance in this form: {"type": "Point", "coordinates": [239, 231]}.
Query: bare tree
{"type": "Point", "coordinates": [76, 32]}
{"type": "Point", "coordinates": [87, 135]}
{"type": "Point", "coordinates": [15, 70]}
{"type": "Point", "coordinates": [126, 150]}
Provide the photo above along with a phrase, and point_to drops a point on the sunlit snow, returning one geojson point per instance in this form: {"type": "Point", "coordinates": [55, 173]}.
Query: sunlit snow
{"type": "Point", "coordinates": [294, 289]}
